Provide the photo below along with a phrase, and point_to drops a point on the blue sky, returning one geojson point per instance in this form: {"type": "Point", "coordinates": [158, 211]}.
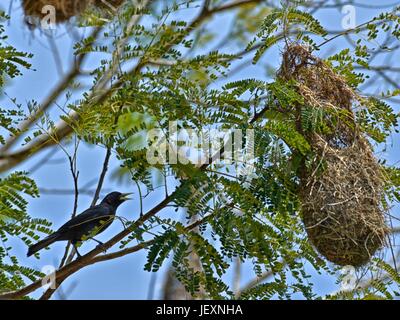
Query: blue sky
{"type": "Point", "coordinates": [122, 278]}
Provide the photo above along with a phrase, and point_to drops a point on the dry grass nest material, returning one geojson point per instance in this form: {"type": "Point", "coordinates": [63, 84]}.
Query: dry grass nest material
{"type": "Point", "coordinates": [343, 189]}
{"type": "Point", "coordinates": [66, 9]}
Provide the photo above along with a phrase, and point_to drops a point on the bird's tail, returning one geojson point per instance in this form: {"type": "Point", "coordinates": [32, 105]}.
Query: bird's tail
{"type": "Point", "coordinates": [42, 244]}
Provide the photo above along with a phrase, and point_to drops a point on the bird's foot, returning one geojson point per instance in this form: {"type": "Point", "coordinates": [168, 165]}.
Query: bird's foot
{"type": "Point", "coordinates": [77, 252]}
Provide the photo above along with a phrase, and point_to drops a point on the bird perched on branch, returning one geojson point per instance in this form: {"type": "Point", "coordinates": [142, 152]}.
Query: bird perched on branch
{"type": "Point", "coordinates": [95, 219]}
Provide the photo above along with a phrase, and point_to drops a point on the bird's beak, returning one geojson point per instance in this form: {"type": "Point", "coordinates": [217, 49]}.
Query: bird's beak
{"type": "Point", "coordinates": [125, 196]}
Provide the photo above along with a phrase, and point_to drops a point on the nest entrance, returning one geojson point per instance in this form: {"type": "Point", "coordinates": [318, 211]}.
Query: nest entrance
{"type": "Point", "coordinates": [342, 190]}
{"type": "Point", "coordinates": [65, 9]}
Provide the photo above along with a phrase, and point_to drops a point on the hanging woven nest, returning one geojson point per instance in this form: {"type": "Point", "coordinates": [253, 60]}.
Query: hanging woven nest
{"type": "Point", "coordinates": [66, 9]}
{"type": "Point", "coordinates": [343, 188]}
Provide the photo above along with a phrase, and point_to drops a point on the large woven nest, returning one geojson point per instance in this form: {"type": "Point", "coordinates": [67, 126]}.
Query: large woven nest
{"type": "Point", "coordinates": [65, 9]}
{"type": "Point", "coordinates": [343, 188]}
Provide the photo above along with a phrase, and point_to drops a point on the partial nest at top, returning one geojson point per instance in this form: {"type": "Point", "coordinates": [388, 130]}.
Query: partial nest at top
{"type": "Point", "coordinates": [342, 190]}
{"type": "Point", "coordinates": [65, 9]}
{"type": "Point", "coordinates": [322, 88]}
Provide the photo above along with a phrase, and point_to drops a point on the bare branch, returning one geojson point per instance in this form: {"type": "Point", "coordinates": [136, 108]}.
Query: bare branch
{"type": "Point", "coordinates": [102, 176]}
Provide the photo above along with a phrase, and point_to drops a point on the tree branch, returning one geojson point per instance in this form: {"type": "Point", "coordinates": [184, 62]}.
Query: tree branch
{"type": "Point", "coordinates": [102, 176]}
{"type": "Point", "coordinates": [48, 102]}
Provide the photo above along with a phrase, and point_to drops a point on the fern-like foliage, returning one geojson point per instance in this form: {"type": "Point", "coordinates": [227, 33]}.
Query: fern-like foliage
{"type": "Point", "coordinates": [15, 187]}
{"type": "Point", "coordinates": [10, 58]}
{"type": "Point", "coordinates": [16, 224]}
{"type": "Point", "coordinates": [276, 26]}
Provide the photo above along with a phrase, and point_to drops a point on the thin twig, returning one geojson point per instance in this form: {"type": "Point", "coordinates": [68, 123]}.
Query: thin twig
{"type": "Point", "coordinates": [102, 176]}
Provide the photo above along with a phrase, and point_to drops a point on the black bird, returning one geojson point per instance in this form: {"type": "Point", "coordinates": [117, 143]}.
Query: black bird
{"type": "Point", "coordinates": [100, 216]}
